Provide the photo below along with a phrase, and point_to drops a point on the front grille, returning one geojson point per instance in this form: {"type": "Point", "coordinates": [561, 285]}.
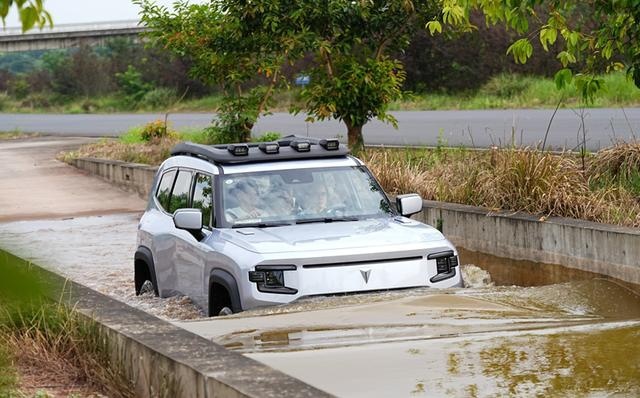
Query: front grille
{"type": "Point", "coordinates": [355, 263]}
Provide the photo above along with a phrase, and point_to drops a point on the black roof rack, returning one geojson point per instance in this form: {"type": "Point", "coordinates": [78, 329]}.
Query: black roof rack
{"type": "Point", "coordinates": [288, 148]}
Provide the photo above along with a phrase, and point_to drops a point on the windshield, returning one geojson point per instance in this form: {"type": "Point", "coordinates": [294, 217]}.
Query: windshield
{"type": "Point", "coordinates": [284, 197]}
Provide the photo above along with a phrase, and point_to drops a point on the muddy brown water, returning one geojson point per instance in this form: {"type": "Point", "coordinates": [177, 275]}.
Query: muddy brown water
{"type": "Point", "coordinates": [520, 329]}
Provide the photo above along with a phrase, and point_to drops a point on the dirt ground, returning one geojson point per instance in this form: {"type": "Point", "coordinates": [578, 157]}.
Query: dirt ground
{"type": "Point", "coordinates": [34, 185]}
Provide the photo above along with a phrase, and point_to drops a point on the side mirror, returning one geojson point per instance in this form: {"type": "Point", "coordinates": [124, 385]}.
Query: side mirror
{"type": "Point", "coordinates": [188, 219]}
{"type": "Point", "coordinates": [409, 204]}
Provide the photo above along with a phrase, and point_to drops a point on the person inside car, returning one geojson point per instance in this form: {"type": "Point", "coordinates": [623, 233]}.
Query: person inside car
{"type": "Point", "coordinates": [246, 196]}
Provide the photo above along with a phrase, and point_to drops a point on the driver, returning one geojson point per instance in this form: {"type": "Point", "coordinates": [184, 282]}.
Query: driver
{"type": "Point", "coordinates": [246, 194]}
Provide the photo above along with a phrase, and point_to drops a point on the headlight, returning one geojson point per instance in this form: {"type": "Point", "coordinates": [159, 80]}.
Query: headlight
{"type": "Point", "coordinates": [270, 278]}
{"type": "Point", "coordinates": [446, 262]}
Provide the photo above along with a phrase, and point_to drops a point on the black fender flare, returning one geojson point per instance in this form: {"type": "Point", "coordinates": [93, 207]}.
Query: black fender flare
{"type": "Point", "coordinates": [144, 254]}
{"type": "Point", "coordinates": [227, 280]}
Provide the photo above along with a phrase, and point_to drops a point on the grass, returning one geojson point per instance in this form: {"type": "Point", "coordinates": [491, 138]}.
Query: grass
{"type": "Point", "coordinates": [519, 179]}
{"type": "Point", "coordinates": [44, 344]}
{"type": "Point", "coordinates": [8, 376]}
{"type": "Point", "coordinates": [501, 92]}
{"type": "Point", "coordinates": [132, 147]}
{"type": "Point", "coordinates": [513, 91]}
{"type": "Point", "coordinates": [15, 134]}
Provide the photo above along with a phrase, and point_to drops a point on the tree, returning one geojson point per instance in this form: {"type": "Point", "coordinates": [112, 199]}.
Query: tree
{"type": "Point", "coordinates": [597, 35]}
{"type": "Point", "coordinates": [242, 46]}
{"type": "Point", "coordinates": [31, 13]}
{"type": "Point", "coordinates": [355, 76]}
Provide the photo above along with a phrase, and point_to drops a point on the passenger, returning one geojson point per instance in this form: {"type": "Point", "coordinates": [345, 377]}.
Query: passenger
{"type": "Point", "coordinates": [246, 196]}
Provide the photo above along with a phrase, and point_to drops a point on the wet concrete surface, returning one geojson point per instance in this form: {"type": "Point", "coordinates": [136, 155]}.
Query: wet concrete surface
{"type": "Point", "coordinates": [578, 336]}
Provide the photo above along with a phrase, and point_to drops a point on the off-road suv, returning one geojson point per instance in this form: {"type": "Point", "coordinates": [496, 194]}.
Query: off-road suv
{"type": "Point", "coordinates": [245, 225]}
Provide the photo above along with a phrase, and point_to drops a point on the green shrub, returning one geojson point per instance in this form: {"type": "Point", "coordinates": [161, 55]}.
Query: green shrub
{"type": "Point", "coordinates": [132, 136]}
{"type": "Point", "coordinates": [132, 84]}
{"type": "Point", "coordinates": [157, 130]}
{"type": "Point", "coordinates": [161, 97]}
{"type": "Point", "coordinates": [4, 101]}
{"type": "Point", "coordinates": [268, 136]}
{"type": "Point", "coordinates": [19, 88]}
{"type": "Point", "coordinates": [506, 85]}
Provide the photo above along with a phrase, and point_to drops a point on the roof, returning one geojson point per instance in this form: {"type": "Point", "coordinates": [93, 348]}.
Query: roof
{"type": "Point", "coordinates": [288, 148]}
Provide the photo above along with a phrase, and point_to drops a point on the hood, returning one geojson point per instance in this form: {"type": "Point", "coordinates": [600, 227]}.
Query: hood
{"type": "Point", "coordinates": [331, 236]}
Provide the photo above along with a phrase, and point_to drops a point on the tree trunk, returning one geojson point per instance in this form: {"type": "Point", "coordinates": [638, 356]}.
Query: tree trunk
{"type": "Point", "coordinates": [354, 135]}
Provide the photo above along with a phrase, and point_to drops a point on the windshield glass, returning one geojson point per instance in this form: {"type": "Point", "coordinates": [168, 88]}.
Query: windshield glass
{"type": "Point", "coordinates": [301, 196]}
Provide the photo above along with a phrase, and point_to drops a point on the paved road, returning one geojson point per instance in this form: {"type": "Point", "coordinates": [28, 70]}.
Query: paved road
{"type": "Point", "coordinates": [468, 128]}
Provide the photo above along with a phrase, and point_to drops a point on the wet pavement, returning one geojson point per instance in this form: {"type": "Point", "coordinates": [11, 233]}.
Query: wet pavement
{"type": "Point", "coordinates": [576, 335]}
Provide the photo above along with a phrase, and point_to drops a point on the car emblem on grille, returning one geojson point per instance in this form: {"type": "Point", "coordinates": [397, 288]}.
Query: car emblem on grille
{"type": "Point", "coordinates": [365, 275]}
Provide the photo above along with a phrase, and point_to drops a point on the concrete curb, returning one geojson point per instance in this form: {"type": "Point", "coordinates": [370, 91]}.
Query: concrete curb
{"type": "Point", "coordinates": [600, 248]}
{"type": "Point", "coordinates": [132, 177]}
{"type": "Point", "coordinates": [165, 360]}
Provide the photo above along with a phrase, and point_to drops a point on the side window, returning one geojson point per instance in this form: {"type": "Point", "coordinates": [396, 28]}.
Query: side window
{"type": "Point", "coordinates": [203, 198]}
{"type": "Point", "coordinates": [164, 189]}
{"type": "Point", "coordinates": [180, 195]}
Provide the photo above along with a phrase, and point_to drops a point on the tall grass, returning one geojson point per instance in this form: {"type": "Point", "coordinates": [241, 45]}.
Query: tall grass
{"type": "Point", "coordinates": [51, 339]}
{"type": "Point", "coordinates": [513, 179]}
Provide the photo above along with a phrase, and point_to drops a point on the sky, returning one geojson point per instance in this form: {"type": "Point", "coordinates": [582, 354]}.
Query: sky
{"type": "Point", "coordinates": [86, 11]}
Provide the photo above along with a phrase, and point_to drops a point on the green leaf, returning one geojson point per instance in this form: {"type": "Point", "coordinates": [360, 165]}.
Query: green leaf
{"type": "Point", "coordinates": [548, 36]}
{"type": "Point", "coordinates": [434, 26]}
{"type": "Point", "coordinates": [4, 9]}
{"type": "Point", "coordinates": [566, 58]}
{"type": "Point", "coordinates": [28, 17]}
{"type": "Point", "coordinates": [521, 50]}
{"type": "Point", "coordinates": [573, 38]}
{"type": "Point", "coordinates": [563, 78]}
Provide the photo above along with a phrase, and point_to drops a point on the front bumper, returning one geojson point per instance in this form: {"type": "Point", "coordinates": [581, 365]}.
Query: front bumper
{"type": "Point", "coordinates": [310, 277]}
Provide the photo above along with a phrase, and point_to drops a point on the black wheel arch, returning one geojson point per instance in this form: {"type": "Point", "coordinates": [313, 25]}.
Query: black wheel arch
{"type": "Point", "coordinates": [226, 280]}
{"type": "Point", "coordinates": [144, 256]}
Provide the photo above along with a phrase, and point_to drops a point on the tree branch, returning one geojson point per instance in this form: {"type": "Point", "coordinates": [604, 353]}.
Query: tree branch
{"type": "Point", "coordinates": [266, 96]}
{"type": "Point", "coordinates": [329, 64]}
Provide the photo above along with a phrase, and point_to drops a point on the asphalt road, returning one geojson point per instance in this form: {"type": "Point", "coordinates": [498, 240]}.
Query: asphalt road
{"type": "Point", "coordinates": [480, 128]}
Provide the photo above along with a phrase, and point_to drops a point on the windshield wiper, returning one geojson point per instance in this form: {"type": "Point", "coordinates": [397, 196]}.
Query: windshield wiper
{"type": "Point", "coordinates": [325, 219]}
{"type": "Point", "coordinates": [260, 224]}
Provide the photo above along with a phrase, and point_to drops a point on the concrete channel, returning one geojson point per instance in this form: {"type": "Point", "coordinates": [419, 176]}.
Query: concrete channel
{"type": "Point", "coordinates": [574, 333]}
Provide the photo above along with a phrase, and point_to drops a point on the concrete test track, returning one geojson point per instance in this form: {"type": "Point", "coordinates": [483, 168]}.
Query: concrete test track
{"type": "Point", "coordinates": [407, 343]}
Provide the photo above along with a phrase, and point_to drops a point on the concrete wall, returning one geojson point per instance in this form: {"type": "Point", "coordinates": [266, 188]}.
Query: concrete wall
{"type": "Point", "coordinates": [164, 360]}
{"type": "Point", "coordinates": [604, 249]}
{"type": "Point", "coordinates": [132, 177]}
{"type": "Point", "coordinates": [601, 248]}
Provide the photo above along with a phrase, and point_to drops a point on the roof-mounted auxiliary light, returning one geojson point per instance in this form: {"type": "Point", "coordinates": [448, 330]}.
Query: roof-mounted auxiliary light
{"type": "Point", "coordinates": [238, 149]}
{"type": "Point", "coordinates": [301, 146]}
{"type": "Point", "coordinates": [330, 145]}
{"type": "Point", "coordinates": [269, 147]}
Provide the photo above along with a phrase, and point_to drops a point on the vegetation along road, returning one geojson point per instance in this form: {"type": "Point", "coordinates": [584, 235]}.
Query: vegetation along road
{"type": "Point", "coordinates": [474, 128]}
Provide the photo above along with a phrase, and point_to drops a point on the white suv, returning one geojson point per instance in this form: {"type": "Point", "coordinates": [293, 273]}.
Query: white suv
{"type": "Point", "coordinates": [245, 225]}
